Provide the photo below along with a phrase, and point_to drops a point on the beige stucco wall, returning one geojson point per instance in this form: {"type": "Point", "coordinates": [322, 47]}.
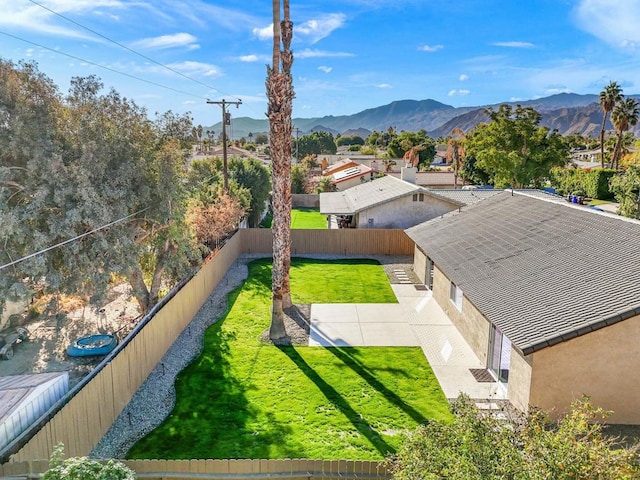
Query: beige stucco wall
{"type": "Point", "coordinates": [604, 364]}
{"type": "Point", "coordinates": [519, 384]}
{"type": "Point", "coordinates": [404, 212]}
{"type": "Point", "coordinates": [470, 322]}
{"type": "Point", "coordinates": [420, 264]}
{"type": "Point", "coordinates": [352, 182]}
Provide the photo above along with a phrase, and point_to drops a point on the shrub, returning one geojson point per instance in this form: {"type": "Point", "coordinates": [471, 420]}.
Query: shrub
{"type": "Point", "coordinates": [82, 468]}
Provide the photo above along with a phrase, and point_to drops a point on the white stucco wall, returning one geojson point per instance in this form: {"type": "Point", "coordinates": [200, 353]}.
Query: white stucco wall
{"type": "Point", "coordinates": [404, 212]}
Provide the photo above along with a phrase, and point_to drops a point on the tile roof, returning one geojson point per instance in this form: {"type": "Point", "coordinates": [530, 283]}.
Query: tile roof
{"type": "Point", "coordinates": [541, 270]}
{"type": "Point", "coordinates": [366, 195]}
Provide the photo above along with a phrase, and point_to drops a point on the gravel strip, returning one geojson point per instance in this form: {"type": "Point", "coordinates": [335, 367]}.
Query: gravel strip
{"type": "Point", "coordinates": [155, 399]}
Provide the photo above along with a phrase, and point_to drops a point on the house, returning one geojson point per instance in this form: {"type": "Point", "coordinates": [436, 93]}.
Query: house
{"type": "Point", "coordinates": [350, 177]}
{"type": "Point", "coordinates": [388, 202]}
{"type": "Point", "coordinates": [546, 293]}
{"type": "Point", "coordinates": [436, 179]}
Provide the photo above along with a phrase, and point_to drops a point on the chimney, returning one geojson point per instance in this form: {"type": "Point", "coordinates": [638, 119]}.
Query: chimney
{"type": "Point", "coordinates": [408, 173]}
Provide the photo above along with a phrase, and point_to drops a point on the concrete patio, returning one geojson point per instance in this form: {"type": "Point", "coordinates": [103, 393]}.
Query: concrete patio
{"type": "Point", "coordinates": [416, 320]}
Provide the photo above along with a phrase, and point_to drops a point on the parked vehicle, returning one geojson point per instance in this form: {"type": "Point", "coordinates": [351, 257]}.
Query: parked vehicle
{"type": "Point", "coordinates": [9, 340]}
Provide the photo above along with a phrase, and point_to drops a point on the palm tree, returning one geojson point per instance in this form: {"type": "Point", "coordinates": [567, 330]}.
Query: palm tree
{"type": "Point", "coordinates": [455, 152]}
{"type": "Point", "coordinates": [624, 115]}
{"type": "Point", "coordinates": [280, 94]}
{"type": "Point", "coordinates": [611, 95]}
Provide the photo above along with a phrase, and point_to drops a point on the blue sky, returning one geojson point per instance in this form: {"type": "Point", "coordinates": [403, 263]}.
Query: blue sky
{"type": "Point", "coordinates": [349, 54]}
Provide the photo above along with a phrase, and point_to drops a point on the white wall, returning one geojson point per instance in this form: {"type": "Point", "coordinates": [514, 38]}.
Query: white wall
{"type": "Point", "coordinates": [404, 212]}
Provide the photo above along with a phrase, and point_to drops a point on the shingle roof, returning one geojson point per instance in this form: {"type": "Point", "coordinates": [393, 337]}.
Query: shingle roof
{"type": "Point", "coordinates": [465, 197]}
{"type": "Point", "coordinates": [367, 195]}
{"type": "Point", "coordinates": [541, 271]}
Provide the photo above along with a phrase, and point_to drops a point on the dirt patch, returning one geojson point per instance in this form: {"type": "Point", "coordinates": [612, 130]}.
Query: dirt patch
{"type": "Point", "coordinates": [46, 349]}
{"type": "Point", "coordinates": [297, 322]}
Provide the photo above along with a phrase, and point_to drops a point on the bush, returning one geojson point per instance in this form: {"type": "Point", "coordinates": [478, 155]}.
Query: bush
{"type": "Point", "coordinates": [82, 468]}
{"type": "Point", "coordinates": [480, 446]}
{"type": "Point", "coordinates": [573, 181]}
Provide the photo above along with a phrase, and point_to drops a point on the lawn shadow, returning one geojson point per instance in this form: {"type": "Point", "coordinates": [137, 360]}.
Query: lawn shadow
{"type": "Point", "coordinates": [212, 416]}
{"type": "Point", "coordinates": [363, 372]}
{"type": "Point", "coordinates": [332, 395]}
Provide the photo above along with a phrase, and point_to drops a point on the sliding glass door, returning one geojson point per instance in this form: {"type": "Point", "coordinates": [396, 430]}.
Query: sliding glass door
{"type": "Point", "coordinates": [499, 355]}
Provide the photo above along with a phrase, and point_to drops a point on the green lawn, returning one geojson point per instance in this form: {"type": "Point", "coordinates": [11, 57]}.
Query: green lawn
{"type": "Point", "coordinates": [307, 218]}
{"type": "Point", "coordinates": [244, 399]}
{"type": "Point", "coordinates": [301, 218]}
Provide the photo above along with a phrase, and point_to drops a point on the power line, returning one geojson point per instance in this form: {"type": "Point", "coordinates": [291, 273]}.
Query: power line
{"type": "Point", "coordinates": [2, 267]}
{"type": "Point", "coordinates": [101, 66]}
{"type": "Point", "coordinates": [128, 48]}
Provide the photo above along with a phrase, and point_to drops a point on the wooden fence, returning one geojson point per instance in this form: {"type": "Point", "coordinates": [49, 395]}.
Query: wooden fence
{"type": "Point", "coordinates": [84, 415]}
{"type": "Point", "coordinates": [344, 241]}
{"type": "Point", "coordinates": [229, 469]}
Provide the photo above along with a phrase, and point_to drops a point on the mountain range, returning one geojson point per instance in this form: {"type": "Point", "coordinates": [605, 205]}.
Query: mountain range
{"type": "Point", "coordinates": [566, 112]}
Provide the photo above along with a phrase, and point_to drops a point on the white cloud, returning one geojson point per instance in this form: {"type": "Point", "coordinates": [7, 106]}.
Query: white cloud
{"type": "Point", "coordinates": [309, 53]}
{"type": "Point", "coordinates": [325, 69]}
{"type": "Point", "coordinates": [168, 41]}
{"type": "Point", "coordinates": [453, 93]}
{"type": "Point", "coordinates": [249, 58]}
{"type": "Point", "coordinates": [383, 85]}
{"type": "Point", "coordinates": [197, 68]}
{"type": "Point", "coordinates": [317, 29]}
{"type": "Point", "coordinates": [463, 77]}
{"type": "Point", "coordinates": [430, 48]}
{"type": "Point", "coordinates": [265, 33]}
{"type": "Point", "coordinates": [514, 44]}
{"type": "Point", "coordinates": [613, 22]}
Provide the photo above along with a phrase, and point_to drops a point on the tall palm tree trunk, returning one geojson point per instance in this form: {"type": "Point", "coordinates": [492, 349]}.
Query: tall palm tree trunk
{"type": "Point", "coordinates": [604, 121]}
{"type": "Point", "coordinates": [280, 94]}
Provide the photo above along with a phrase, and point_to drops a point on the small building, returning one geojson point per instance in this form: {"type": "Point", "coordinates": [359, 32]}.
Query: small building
{"type": "Point", "coordinates": [349, 177]}
{"type": "Point", "coordinates": [386, 202]}
{"type": "Point", "coordinates": [24, 398]}
{"type": "Point", "coordinates": [546, 293]}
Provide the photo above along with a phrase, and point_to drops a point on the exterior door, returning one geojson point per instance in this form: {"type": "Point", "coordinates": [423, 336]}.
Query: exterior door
{"type": "Point", "coordinates": [499, 355]}
{"type": "Point", "coordinates": [428, 276]}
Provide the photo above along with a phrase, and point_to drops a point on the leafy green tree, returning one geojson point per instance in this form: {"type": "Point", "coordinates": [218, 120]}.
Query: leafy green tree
{"type": "Point", "coordinates": [299, 179]}
{"type": "Point", "coordinates": [626, 188]}
{"type": "Point", "coordinates": [402, 143]}
{"type": "Point", "coordinates": [479, 446]}
{"type": "Point", "coordinates": [349, 140]}
{"type": "Point", "coordinates": [316, 143]}
{"type": "Point", "coordinates": [82, 468]}
{"type": "Point", "coordinates": [262, 139]}
{"type": "Point", "coordinates": [472, 173]}
{"type": "Point", "coordinates": [514, 149]}
{"type": "Point", "coordinates": [252, 175]}
{"type": "Point", "coordinates": [90, 159]}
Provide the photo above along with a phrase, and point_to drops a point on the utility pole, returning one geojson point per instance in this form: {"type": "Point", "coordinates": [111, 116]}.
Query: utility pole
{"type": "Point", "coordinates": [226, 120]}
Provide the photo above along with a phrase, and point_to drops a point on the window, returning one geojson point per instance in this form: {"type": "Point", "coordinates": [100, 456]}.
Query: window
{"type": "Point", "coordinates": [455, 295]}
{"type": "Point", "coordinates": [421, 197]}
{"type": "Point", "coordinates": [415, 197]}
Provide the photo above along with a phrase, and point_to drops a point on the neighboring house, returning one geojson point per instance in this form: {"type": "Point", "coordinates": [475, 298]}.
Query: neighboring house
{"type": "Point", "coordinates": [387, 202]}
{"type": "Point", "coordinates": [351, 176]}
{"type": "Point", "coordinates": [441, 179]}
{"type": "Point", "coordinates": [546, 293]}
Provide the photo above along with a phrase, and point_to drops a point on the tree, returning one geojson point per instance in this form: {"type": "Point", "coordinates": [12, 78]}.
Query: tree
{"type": "Point", "coordinates": [472, 173]}
{"type": "Point", "coordinates": [455, 153]}
{"type": "Point", "coordinates": [252, 175]}
{"type": "Point", "coordinates": [262, 139]}
{"type": "Point", "coordinates": [349, 140]}
{"type": "Point", "coordinates": [479, 446]}
{"type": "Point", "coordinates": [325, 185]}
{"type": "Point", "coordinates": [624, 115]}
{"type": "Point", "coordinates": [608, 98]}
{"type": "Point", "coordinates": [82, 468]}
{"type": "Point", "coordinates": [400, 144]}
{"type": "Point", "coordinates": [80, 163]}
{"type": "Point", "coordinates": [317, 143]}
{"type": "Point", "coordinates": [514, 149]}
{"type": "Point", "coordinates": [626, 188]}
{"type": "Point", "coordinates": [299, 179]}
{"type": "Point", "coordinates": [215, 220]}
{"type": "Point", "coordinates": [280, 95]}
